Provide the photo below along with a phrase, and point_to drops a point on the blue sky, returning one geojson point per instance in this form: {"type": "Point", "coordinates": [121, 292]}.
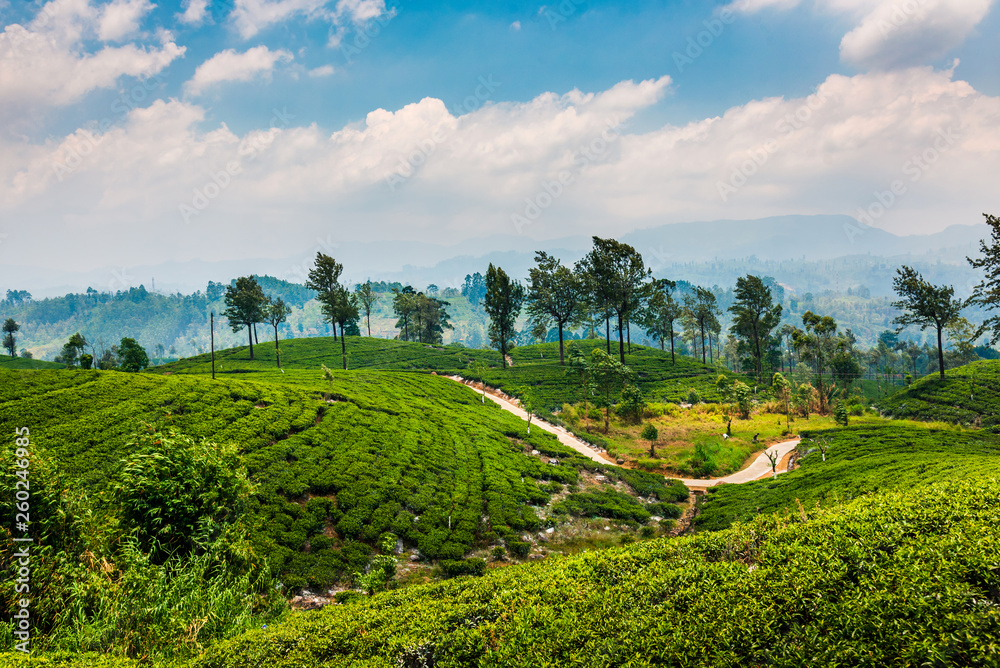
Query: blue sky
{"type": "Point", "coordinates": [463, 120]}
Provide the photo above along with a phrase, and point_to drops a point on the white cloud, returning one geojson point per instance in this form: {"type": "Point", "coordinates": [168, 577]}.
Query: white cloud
{"type": "Point", "coordinates": [467, 174]}
{"type": "Point", "coordinates": [515, 26]}
{"type": "Point", "coordinates": [361, 11]}
{"type": "Point", "coordinates": [46, 63]}
{"type": "Point", "coordinates": [321, 71]}
{"type": "Point", "coordinates": [252, 16]}
{"type": "Point", "coordinates": [195, 12]}
{"type": "Point", "coordinates": [894, 33]}
{"type": "Point", "coordinates": [907, 32]}
{"type": "Point", "coordinates": [121, 19]}
{"type": "Point", "coordinates": [752, 6]}
{"type": "Point", "coordinates": [230, 65]}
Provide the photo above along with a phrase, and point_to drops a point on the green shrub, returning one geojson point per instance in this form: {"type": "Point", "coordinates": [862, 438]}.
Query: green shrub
{"type": "Point", "coordinates": [693, 397]}
{"type": "Point", "coordinates": [177, 494]}
{"type": "Point", "coordinates": [456, 567]}
{"type": "Point", "coordinates": [840, 414]}
{"type": "Point", "coordinates": [498, 553]}
{"type": "Point", "coordinates": [649, 432]}
{"type": "Point", "coordinates": [519, 548]}
{"type": "Point", "coordinates": [631, 404]}
{"type": "Point", "coordinates": [347, 597]}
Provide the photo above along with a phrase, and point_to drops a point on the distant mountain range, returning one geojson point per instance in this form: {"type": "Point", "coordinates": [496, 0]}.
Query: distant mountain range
{"type": "Point", "coordinates": [667, 249]}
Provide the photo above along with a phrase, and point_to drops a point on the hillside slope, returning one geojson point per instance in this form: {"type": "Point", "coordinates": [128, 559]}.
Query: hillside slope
{"type": "Point", "coordinates": [968, 395]}
{"type": "Point", "coordinates": [897, 579]}
{"type": "Point", "coordinates": [859, 461]}
{"type": "Point", "coordinates": [535, 369]}
{"type": "Point", "coordinates": [338, 463]}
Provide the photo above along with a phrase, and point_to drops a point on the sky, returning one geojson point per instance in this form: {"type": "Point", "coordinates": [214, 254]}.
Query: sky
{"type": "Point", "coordinates": [137, 132]}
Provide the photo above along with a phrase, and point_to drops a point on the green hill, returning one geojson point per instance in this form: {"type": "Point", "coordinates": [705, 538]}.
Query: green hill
{"type": "Point", "coordinates": [860, 460]}
{"type": "Point", "coordinates": [535, 368]}
{"type": "Point", "coordinates": [898, 579]}
{"type": "Point", "coordinates": [968, 395]}
{"type": "Point", "coordinates": [22, 363]}
{"type": "Point", "coordinates": [387, 452]}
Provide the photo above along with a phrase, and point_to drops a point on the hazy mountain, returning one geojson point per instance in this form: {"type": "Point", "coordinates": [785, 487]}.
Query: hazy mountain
{"type": "Point", "coordinates": [666, 248]}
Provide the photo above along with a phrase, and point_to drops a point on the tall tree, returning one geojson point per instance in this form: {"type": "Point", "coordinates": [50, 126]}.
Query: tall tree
{"type": "Point", "coordinates": [817, 344]}
{"type": "Point", "coordinates": [755, 316]}
{"type": "Point", "coordinates": [987, 293]}
{"type": "Point", "coordinates": [619, 278]}
{"type": "Point", "coordinates": [432, 318]}
{"type": "Point", "coordinates": [925, 305]}
{"type": "Point", "coordinates": [404, 303]}
{"type": "Point", "coordinates": [661, 313]}
{"type": "Point", "coordinates": [276, 311]}
{"type": "Point", "coordinates": [367, 298]}
{"type": "Point", "coordinates": [607, 376]}
{"type": "Point", "coordinates": [245, 301]}
{"type": "Point", "coordinates": [133, 356]}
{"type": "Point", "coordinates": [701, 310]}
{"type": "Point", "coordinates": [324, 278]}
{"type": "Point", "coordinates": [344, 309]}
{"type": "Point", "coordinates": [503, 301]}
{"type": "Point", "coordinates": [554, 293]}
{"type": "Point", "coordinates": [10, 328]}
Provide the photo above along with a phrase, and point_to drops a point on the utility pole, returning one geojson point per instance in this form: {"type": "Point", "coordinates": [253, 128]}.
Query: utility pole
{"type": "Point", "coordinates": [213, 344]}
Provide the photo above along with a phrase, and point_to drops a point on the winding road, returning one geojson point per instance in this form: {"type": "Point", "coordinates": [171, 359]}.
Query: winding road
{"type": "Point", "coordinates": [759, 468]}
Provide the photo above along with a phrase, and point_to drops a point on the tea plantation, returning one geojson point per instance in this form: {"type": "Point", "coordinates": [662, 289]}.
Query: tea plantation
{"type": "Point", "coordinates": [968, 395]}
{"type": "Point", "coordinates": [860, 460]}
{"type": "Point", "coordinates": [896, 579]}
{"type": "Point", "coordinates": [536, 369]}
{"type": "Point", "coordinates": [337, 463]}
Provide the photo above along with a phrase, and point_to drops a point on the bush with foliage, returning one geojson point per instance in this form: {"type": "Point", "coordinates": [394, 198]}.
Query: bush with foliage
{"type": "Point", "coordinates": [176, 495]}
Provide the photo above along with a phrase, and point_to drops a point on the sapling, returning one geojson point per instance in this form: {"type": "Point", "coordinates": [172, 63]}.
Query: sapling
{"type": "Point", "coordinates": [823, 446]}
{"type": "Point", "coordinates": [772, 456]}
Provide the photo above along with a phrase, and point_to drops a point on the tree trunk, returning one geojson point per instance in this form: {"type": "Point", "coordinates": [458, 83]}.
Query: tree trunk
{"type": "Point", "coordinates": [255, 339]}
{"type": "Point", "coordinates": [628, 334]}
{"type": "Point", "coordinates": [277, 351]}
{"type": "Point", "coordinates": [673, 360]}
{"type": "Point", "coordinates": [621, 342]}
{"type": "Point", "coordinates": [250, 336]}
{"type": "Point", "coordinates": [607, 332]}
{"type": "Point", "coordinates": [343, 346]}
{"type": "Point", "coordinates": [368, 319]}
{"type": "Point", "coordinates": [562, 359]}
{"type": "Point", "coordinates": [940, 353]}
{"type": "Point", "coordinates": [759, 361]}
{"type": "Point", "coordinates": [703, 355]}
